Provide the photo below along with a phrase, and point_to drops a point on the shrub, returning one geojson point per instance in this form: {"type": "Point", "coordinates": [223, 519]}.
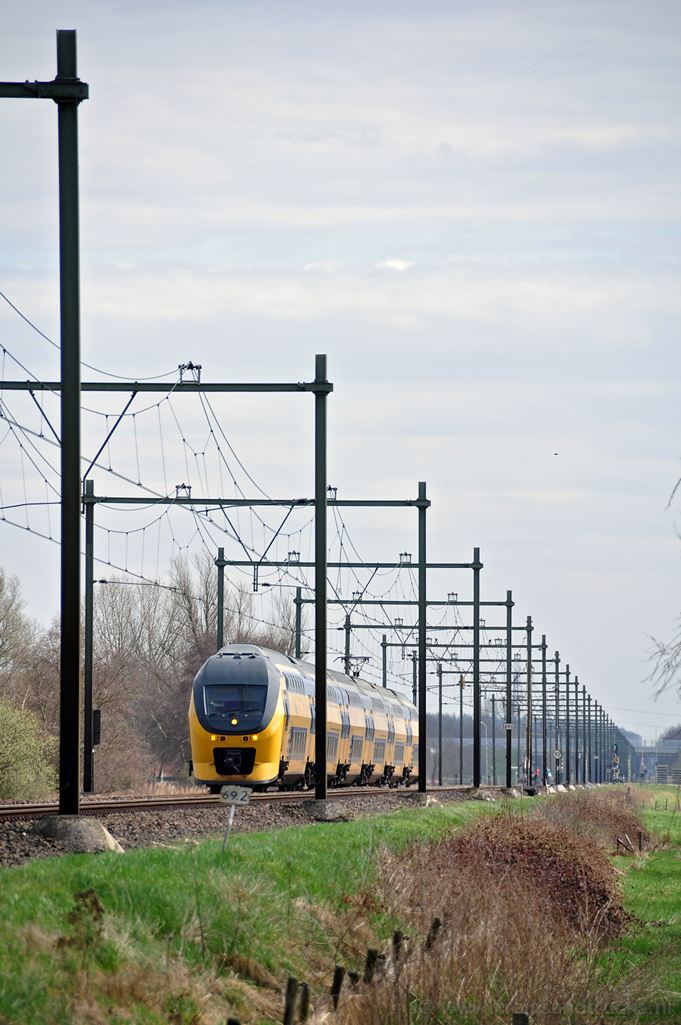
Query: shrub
{"type": "Point", "coordinates": [26, 755]}
{"type": "Point", "coordinates": [525, 910]}
{"type": "Point", "coordinates": [598, 815]}
{"type": "Point", "coordinates": [571, 872]}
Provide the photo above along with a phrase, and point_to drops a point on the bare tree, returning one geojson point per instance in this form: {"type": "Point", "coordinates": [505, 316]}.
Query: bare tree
{"type": "Point", "coordinates": [15, 628]}
{"type": "Point", "coordinates": [34, 684]}
{"type": "Point", "coordinates": [148, 644]}
{"type": "Point", "coordinates": [666, 659]}
{"type": "Point", "coordinates": [666, 655]}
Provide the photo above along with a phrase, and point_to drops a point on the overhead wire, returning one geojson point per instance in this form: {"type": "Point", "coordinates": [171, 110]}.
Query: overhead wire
{"type": "Point", "coordinates": [89, 366]}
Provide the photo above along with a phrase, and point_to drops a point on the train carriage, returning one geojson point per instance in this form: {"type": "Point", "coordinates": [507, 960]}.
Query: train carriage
{"type": "Point", "coordinates": [252, 721]}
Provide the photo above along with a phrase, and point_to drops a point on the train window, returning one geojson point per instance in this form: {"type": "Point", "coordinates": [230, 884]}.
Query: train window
{"type": "Point", "coordinates": [331, 746]}
{"type": "Point", "coordinates": [312, 715]}
{"type": "Point", "coordinates": [224, 702]}
{"type": "Point", "coordinates": [356, 745]}
{"type": "Point", "coordinates": [391, 731]}
{"type": "Point", "coordinates": [398, 757]}
{"type": "Point", "coordinates": [294, 682]}
{"type": "Point", "coordinates": [369, 724]}
{"type": "Point", "coordinates": [415, 754]}
{"type": "Point", "coordinates": [379, 751]}
{"type": "Point", "coordinates": [297, 742]}
{"type": "Point", "coordinates": [345, 723]}
{"type": "Point", "coordinates": [410, 733]}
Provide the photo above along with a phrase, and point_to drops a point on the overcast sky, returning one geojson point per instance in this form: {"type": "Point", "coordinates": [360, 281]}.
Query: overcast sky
{"type": "Point", "coordinates": [473, 209]}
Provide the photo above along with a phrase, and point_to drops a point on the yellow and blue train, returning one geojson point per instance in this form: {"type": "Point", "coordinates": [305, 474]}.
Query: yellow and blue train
{"type": "Point", "coordinates": [252, 721]}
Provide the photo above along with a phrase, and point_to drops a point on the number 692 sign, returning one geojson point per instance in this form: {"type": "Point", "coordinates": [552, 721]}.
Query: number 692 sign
{"type": "Point", "coordinates": [235, 795]}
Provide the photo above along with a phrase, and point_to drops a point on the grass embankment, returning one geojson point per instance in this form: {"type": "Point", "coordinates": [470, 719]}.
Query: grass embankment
{"type": "Point", "coordinates": [186, 935]}
{"type": "Point", "coordinates": [652, 890]}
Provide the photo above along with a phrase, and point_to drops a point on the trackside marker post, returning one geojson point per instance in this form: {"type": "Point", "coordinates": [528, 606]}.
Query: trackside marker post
{"type": "Point", "coordinates": [233, 796]}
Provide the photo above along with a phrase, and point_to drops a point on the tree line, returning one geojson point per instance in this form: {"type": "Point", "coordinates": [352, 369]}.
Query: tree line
{"type": "Point", "coordinates": [148, 643]}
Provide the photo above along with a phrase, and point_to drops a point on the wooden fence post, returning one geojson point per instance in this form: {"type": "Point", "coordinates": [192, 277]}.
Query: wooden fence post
{"type": "Point", "coordinates": [370, 965]}
{"type": "Point", "coordinates": [304, 1006]}
{"type": "Point", "coordinates": [432, 933]}
{"type": "Point", "coordinates": [290, 1001]}
{"type": "Point", "coordinates": [337, 985]}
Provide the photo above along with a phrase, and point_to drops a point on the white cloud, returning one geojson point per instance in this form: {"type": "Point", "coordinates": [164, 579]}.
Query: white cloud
{"type": "Point", "coordinates": [396, 264]}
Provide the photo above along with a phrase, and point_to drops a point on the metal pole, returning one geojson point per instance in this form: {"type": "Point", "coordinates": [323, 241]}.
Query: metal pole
{"type": "Point", "coordinates": [297, 601]}
{"type": "Point", "coordinates": [576, 682]}
{"type": "Point", "coordinates": [494, 742]}
{"type": "Point", "coordinates": [528, 713]}
{"type": "Point", "coordinates": [544, 748]}
{"type": "Point", "coordinates": [346, 657]}
{"type": "Point", "coordinates": [588, 740]}
{"type": "Point", "coordinates": [597, 766]}
{"type": "Point", "coordinates": [477, 566]}
{"type": "Point", "coordinates": [320, 579]}
{"type": "Point", "coordinates": [567, 724]}
{"type": "Point", "coordinates": [609, 740]}
{"type": "Point", "coordinates": [461, 730]}
{"type": "Point", "coordinates": [220, 614]}
{"type": "Point", "coordinates": [439, 724]}
{"type": "Point", "coordinates": [517, 708]}
{"type": "Point", "coordinates": [599, 741]}
{"type": "Point", "coordinates": [597, 758]}
{"type": "Point", "coordinates": [556, 691]}
{"type": "Point", "coordinates": [414, 676]}
{"type": "Point", "coordinates": [88, 747]}
{"type": "Point", "coordinates": [584, 743]}
{"type": "Point", "coordinates": [384, 663]}
{"type": "Point", "coordinates": [509, 689]}
{"type": "Point", "coordinates": [422, 598]}
{"type": "Point", "coordinates": [69, 297]}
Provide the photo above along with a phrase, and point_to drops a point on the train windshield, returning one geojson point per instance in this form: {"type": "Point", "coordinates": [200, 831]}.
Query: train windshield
{"type": "Point", "coordinates": [231, 701]}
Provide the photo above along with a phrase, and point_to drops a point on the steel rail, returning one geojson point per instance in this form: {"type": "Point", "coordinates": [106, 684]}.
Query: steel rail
{"type": "Point", "coordinates": [33, 810]}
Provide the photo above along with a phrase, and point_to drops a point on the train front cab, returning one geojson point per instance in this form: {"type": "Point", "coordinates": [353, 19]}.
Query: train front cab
{"type": "Point", "coordinates": [236, 719]}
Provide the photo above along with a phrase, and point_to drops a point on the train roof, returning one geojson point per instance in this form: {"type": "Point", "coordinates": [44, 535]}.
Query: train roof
{"type": "Point", "coordinates": [308, 668]}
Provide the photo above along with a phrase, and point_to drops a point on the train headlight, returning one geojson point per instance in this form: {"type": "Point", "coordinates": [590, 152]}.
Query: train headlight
{"type": "Point", "coordinates": [254, 737]}
{"type": "Point", "coordinates": [235, 722]}
{"type": "Point", "coordinates": [213, 736]}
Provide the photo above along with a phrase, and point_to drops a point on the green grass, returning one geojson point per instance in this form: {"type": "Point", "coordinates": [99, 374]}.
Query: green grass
{"type": "Point", "coordinates": [652, 890]}
{"type": "Point", "coordinates": [192, 906]}
{"type": "Point", "coordinates": [186, 929]}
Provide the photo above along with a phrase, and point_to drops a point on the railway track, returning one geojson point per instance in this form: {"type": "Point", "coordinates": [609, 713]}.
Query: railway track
{"type": "Point", "coordinates": [34, 810]}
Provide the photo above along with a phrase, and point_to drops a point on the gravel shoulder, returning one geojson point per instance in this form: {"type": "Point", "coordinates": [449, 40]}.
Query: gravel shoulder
{"type": "Point", "coordinates": [166, 827]}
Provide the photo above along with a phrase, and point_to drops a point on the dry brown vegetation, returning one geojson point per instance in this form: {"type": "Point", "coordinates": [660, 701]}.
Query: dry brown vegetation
{"type": "Point", "coordinates": [576, 881]}
{"type": "Point", "coordinates": [527, 906]}
{"type": "Point", "coordinates": [597, 815]}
